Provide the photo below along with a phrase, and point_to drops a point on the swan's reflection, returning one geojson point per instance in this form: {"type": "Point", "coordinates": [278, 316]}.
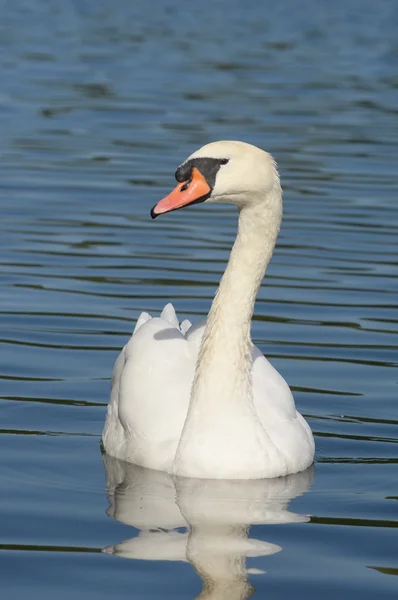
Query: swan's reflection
{"type": "Point", "coordinates": [215, 516]}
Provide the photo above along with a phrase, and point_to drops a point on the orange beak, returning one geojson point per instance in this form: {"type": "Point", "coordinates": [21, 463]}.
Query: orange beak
{"type": "Point", "coordinates": [196, 189]}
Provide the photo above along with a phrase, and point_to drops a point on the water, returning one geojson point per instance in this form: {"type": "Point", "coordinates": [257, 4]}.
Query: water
{"type": "Point", "coordinates": [99, 102]}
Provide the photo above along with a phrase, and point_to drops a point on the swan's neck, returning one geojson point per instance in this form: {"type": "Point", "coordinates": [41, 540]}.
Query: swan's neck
{"type": "Point", "coordinates": [223, 369]}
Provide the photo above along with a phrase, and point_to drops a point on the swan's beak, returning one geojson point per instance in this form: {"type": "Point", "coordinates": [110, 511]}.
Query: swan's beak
{"type": "Point", "coordinates": [193, 191]}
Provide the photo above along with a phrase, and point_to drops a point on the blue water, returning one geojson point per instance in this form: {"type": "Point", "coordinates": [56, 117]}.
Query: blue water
{"type": "Point", "coordinates": [99, 102]}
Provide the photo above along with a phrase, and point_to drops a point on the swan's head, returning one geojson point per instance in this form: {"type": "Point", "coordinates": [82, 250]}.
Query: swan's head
{"type": "Point", "coordinates": [233, 172]}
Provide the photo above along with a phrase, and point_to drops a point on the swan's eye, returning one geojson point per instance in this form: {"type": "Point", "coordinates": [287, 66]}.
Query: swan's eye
{"type": "Point", "coordinates": [186, 185]}
{"type": "Point", "coordinates": [224, 161]}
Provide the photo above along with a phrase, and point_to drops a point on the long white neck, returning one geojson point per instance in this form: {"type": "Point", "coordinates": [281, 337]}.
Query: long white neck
{"type": "Point", "coordinates": [223, 369]}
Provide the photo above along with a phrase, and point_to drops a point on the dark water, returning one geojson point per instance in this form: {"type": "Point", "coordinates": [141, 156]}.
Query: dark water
{"type": "Point", "coordinates": [99, 102]}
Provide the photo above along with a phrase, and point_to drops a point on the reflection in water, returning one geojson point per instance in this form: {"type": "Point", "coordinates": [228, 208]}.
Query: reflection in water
{"type": "Point", "coordinates": [215, 516]}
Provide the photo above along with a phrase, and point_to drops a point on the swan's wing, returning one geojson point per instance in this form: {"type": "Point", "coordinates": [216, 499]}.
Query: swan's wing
{"type": "Point", "coordinates": [113, 431]}
{"type": "Point", "coordinates": [272, 395]}
{"type": "Point", "coordinates": [185, 326]}
{"type": "Point", "coordinates": [169, 314]}
{"type": "Point", "coordinates": [150, 392]}
{"type": "Point", "coordinates": [195, 333]}
{"type": "Point", "coordinates": [274, 404]}
{"type": "Point", "coordinates": [142, 319]}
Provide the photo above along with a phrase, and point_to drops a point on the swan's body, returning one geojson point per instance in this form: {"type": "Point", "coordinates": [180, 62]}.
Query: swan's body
{"type": "Point", "coordinates": [202, 401]}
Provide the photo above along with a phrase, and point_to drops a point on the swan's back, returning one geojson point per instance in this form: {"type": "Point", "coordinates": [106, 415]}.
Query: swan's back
{"type": "Point", "coordinates": [150, 394]}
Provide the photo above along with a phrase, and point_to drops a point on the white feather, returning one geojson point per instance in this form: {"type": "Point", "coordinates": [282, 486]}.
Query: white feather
{"type": "Point", "coordinates": [201, 401]}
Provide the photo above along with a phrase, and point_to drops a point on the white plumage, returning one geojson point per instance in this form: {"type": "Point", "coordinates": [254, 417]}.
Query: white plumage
{"type": "Point", "coordinates": [202, 401]}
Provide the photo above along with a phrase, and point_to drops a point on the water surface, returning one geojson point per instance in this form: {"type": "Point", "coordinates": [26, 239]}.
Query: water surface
{"type": "Point", "coordinates": [99, 102]}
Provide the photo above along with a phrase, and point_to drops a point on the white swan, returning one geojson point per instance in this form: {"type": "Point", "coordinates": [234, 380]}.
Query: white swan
{"type": "Point", "coordinates": [202, 401]}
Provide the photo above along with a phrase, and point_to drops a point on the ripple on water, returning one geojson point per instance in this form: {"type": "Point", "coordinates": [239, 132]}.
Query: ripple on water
{"type": "Point", "coordinates": [99, 104]}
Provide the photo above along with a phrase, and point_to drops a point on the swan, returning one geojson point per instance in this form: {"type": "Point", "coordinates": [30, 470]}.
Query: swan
{"type": "Point", "coordinates": [202, 401]}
